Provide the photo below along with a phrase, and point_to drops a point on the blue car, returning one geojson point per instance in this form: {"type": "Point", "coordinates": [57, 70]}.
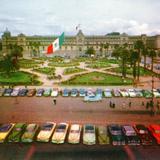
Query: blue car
{"type": "Point", "coordinates": [65, 92]}
{"type": "Point", "coordinates": [92, 98]}
{"type": "Point", "coordinates": [74, 92]}
{"type": "Point", "coordinates": [82, 92]}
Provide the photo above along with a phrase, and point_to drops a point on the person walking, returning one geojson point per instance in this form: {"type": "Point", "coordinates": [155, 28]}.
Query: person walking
{"type": "Point", "coordinates": [54, 101]}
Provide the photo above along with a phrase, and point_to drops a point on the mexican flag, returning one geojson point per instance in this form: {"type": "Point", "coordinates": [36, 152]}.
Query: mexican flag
{"type": "Point", "coordinates": [56, 44]}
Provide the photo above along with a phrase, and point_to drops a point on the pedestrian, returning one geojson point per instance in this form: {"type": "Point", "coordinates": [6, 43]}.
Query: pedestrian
{"type": "Point", "coordinates": [123, 105]}
{"type": "Point", "coordinates": [130, 103]}
{"type": "Point", "coordinates": [54, 101]}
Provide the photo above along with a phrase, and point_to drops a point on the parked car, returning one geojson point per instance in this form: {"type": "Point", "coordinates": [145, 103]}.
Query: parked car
{"type": "Point", "coordinates": [31, 92]}
{"type": "Point", "coordinates": [116, 93]}
{"type": "Point", "coordinates": [93, 98]}
{"type": "Point", "coordinates": [138, 92]}
{"type": "Point", "coordinates": [2, 91]}
{"type": "Point", "coordinates": [39, 92]}
{"type": "Point", "coordinates": [23, 92]}
{"type": "Point", "coordinates": [147, 93]}
{"type": "Point", "coordinates": [60, 133]}
{"type": "Point", "coordinates": [130, 135]}
{"type": "Point", "coordinates": [15, 92]}
{"type": "Point", "coordinates": [124, 92]}
{"type": "Point", "coordinates": [143, 134]}
{"type": "Point", "coordinates": [103, 136]}
{"type": "Point", "coordinates": [30, 133]}
{"type": "Point", "coordinates": [89, 134]}
{"type": "Point", "coordinates": [108, 93]}
{"type": "Point", "coordinates": [74, 134]}
{"type": "Point", "coordinates": [8, 92]}
{"type": "Point", "coordinates": [46, 131]}
{"type": "Point", "coordinates": [65, 92]}
{"type": "Point", "coordinates": [82, 92]}
{"type": "Point", "coordinates": [47, 92]}
{"type": "Point", "coordinates": [156, 93]}
{"type": "Point", "coordinates": [54, 92]}
{"type": "Point", "coordinates": [155, 131]}
{"type": "Point", "coordinates": [99, 92]}
{"type": "Point", "coordinates": [131, 93]}
{"type": "Point", "coordinates": [74, 92]}
{"type": "Point", "coordinates": [16, 133]}
{"type": "Point", "coordinates": [116, 134]}
{"type": "Point", "coordinates": [5, 129]}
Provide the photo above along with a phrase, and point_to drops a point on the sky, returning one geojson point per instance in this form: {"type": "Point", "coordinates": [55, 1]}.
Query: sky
{"type": "Point", "coordinates": [96, 17]}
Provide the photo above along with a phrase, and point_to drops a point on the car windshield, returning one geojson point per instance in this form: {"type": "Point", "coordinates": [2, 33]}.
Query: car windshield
{"type": "Point", "coordinates": [47, 127]}
{"type": "Point", "coordinates": [5, 127]}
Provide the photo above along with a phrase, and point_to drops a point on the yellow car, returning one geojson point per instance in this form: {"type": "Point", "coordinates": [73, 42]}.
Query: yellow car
{"type": "Point", "coordinates": [5, 129]}
{"type": "Point", "coordinates": [74, 134]}
{"type": "Point", "coordinates": [30, 133]}
{"type": "Point", "coordinates": [46, 132]}
{"type": "Point", "coordinates": [60, 132]}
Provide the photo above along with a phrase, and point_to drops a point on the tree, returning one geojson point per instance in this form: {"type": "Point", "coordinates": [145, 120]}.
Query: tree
{"type": "Point", "coordinates": [106, 46]}
{"type": "Point", "coordinates": [8, 64]}
{"type": "Point", "coordinates": [90, 51]}
{"type": "Point", "coordinates": [134, 58]}
{"type": "Point", "coordinates": [16, 51]}
{"type": "Point", "coordinates": [145, 53]}
{"type": "Point", "coordinates": [152, 54]}
{"type": "Point", "coordinates": [139, 46]}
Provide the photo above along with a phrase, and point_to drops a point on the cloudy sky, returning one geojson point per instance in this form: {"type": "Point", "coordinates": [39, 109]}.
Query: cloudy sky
{"type": "Point", "coordinates": [51, 17]}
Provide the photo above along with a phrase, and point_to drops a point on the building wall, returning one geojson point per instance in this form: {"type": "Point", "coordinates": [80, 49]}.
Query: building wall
{"type": "Point", "coordinates": [35, 45]}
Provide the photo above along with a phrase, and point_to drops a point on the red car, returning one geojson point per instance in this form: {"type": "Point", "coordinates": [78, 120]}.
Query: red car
{"type": "Point", "coordinates": [144, 135]}
{"type": "Point", "coordinates": [155, 130]}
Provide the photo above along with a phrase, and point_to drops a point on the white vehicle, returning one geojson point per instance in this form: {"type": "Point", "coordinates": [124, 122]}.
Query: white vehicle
{"type": "Point", "coordinates": [124, 93]}
{"type": "Point", "coordinates": [54, 92]}
{"type": "Point", "coordinates": [15, 92]}
{"type": "Point", "coordinates": [108, 93]}
{"type": "Point", "coordinates": [89, 134]}
{"type": "Point", "coordinates": [131, 92]}
{"type": "Point", "coordinates": [74, 134]}
{"type": "Point", "coordinates": [46, 132]}
{"type": "Point", "coordinates": [59, 134]}
{"type": "Point", "coordinates": [156, 93]}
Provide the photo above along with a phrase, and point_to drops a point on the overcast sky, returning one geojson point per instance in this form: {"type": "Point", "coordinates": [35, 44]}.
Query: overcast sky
{"type": "Point", "coordinates": [51, 17]}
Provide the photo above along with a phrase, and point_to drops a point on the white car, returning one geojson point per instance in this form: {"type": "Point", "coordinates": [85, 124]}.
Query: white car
{"type": "Point", "coordinates": [89, 134]}
{"type": "Point", "coordinates": [60, 133]}
{"type": "Point", "coordinates": [156, 93]}
{"type": "Point", "coordinates": [46, 132]}
{"type": "Point", "coordinates": [131, 92]}
{"type": "Point", "coordinates": [124, 93]}
{"type": "Point", "coordinates": [15, 92]}
{"type": "Point", "coordinates": [54, 92]}
{"type": "Point", "coordinates": [108, 93]}
{"type": "Point", "coordinates": [74, 134]}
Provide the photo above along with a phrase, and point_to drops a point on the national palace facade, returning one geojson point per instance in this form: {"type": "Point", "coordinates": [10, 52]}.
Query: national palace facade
{"type": "Point", "coordinates": [78, 44]}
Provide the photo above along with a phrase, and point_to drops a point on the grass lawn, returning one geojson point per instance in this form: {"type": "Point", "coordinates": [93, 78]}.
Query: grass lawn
{"type": "Point", "coordinates": [98, 65]}
{"type": "Point", "coordinates": [29, 63]}
{"type": "Point", "coordinates": [97, 78]}
{"type": "Point", "coordinates": [143, 72]}
{"type": "Point", "coordinates": [45, 70]}
{"type": "Point", "coordinates": [73, 70]}
{"type": "Point", "coordinates": [62, 64]}
{"type": "Point", "coordinates": [19, 78]}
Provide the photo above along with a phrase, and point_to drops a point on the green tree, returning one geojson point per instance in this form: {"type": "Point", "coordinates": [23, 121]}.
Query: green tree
{"type": "Point", "coordinates": [139, 46]}
{"type": "Point", "coordinates": [152, 54]}
{"type": "Point", "coordinates": [16, 51]}
{"type": "Point", "coordinates": [90, 51]}
{"type": "Point", "coordinates": [8, 64]}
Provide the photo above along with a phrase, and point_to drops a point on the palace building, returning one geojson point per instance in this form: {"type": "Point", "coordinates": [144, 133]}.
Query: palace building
{"type": "Point", "coordinates": [75, 45]}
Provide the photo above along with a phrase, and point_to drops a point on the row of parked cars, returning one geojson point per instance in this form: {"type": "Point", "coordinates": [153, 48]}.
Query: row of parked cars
{"type": "Point", "coordinates": [134, 92]}
{"type": "Point", "coordinates": [89, 134]}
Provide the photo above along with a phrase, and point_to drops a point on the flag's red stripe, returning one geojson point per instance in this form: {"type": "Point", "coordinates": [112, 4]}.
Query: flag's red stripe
{"type": "Point", "coordinates": [50, 49]}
